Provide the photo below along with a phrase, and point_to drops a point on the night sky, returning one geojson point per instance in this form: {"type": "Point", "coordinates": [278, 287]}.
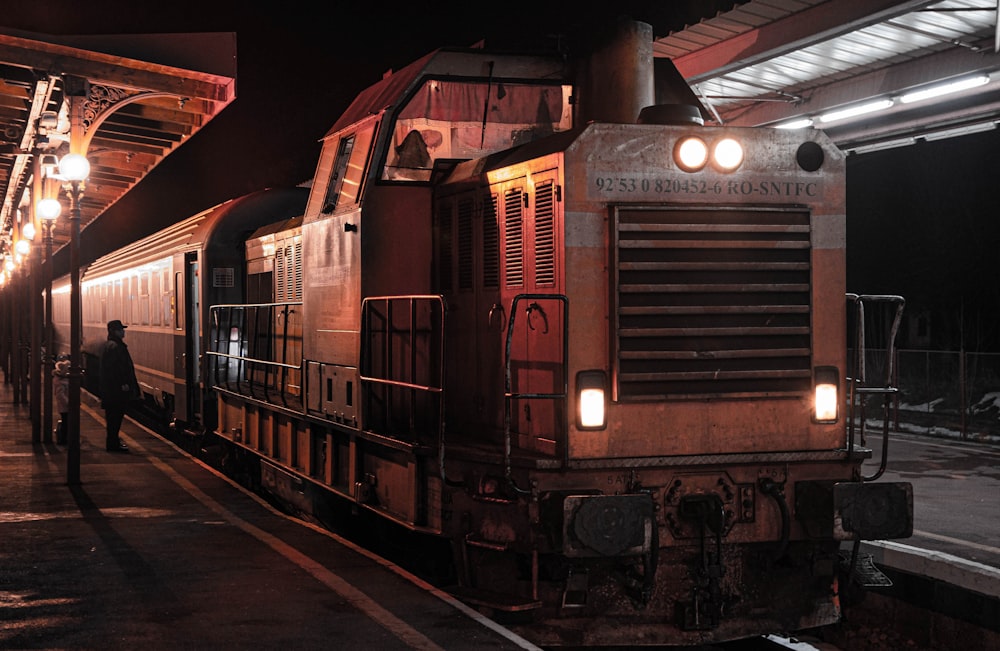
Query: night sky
{"type": "Point", "coordinates": [920, 222]}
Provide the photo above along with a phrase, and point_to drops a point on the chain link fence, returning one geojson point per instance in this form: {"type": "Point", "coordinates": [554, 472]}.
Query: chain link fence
{"type": "Point", "coordinates": [954, 391]}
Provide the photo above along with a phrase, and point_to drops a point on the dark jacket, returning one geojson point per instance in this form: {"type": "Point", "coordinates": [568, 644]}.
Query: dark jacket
{"type": "Point", "coordinates": [118, 383]}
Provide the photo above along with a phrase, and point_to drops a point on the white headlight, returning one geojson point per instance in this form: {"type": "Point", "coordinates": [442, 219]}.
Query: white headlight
{"type": "Point", "coordinates": [591, 405]}
{"type": "Point", "coordinates": [826, 402]}
{"type": "Point", "coordinates": [826, 380]}
{"type": "Point", "coordinates": [727, 155]}
{"type": "Point", "coordinates": [691, 154]}
{"type": "Point", "coordinates": [592, 408]}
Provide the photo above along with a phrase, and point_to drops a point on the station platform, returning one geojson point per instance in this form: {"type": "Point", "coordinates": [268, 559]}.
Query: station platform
{"type": "Point", "coordinates": [153, 550]}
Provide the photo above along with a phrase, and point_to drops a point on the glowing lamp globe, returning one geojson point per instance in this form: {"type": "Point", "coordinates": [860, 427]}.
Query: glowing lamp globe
{"type": "Point", "coordinates": [74, 167]}
{"type": "Point", "coordinates": [48, 208]}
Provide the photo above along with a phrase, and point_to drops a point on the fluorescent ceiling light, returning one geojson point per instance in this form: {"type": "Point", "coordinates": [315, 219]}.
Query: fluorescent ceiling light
{"type": "Point", "coordinates": [960, 131]}
{"type": "Point", "coordinates": [854, 111]}
{"type": "Point", "coordinates": [795, 124]}
{"type": "Point", "coordinates": [886, 144]}
{"type": "Point", "coordinates": [944, 89]}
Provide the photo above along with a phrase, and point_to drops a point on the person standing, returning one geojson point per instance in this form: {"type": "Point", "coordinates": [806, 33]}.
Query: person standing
{"type": "Point", "coordinates": [60, 386]}
{"type": "Point", "coordinates": [118, 384]}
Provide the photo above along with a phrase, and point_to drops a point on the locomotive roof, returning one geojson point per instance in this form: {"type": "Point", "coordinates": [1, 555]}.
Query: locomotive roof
{"type": "Point", "coordinates": [277, 227]}
{"type": "Point", "coordinates": [459, 62]}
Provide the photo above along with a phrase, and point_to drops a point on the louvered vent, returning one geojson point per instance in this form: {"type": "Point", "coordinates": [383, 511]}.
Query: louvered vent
{"type": "Point", "coordinates": [545, 265]}
{"type": "Point", "coordinates": [465, 260]}
{"type": "Point", "coordinates": [296, 294]}
{"type": "Point", "coordinates": [713, 303]}
{"type": "Point", "coordinates": [288, 271]}
{"type": "Point", "coordinates": [491, 245]}
{"type": "Point", "coordinates": [281, 275]}
{"type": "Point", "coordinates": [446, 259]}
{"type": "Point", "coordinates": [513, 239]}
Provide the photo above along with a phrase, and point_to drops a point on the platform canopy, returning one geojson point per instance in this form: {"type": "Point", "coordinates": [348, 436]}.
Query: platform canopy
{"type": "Point", "coordinates": [144, 96]}
{"type": "Point", "coordinates": [770, 62]}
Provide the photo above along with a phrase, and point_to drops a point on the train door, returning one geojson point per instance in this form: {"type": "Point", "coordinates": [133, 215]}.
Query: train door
{"type": "Point", "coordinates": [530, 220]}
{"type": "Point", "coordinates": [468, 274]}
{"type": "Point", "coordinates": [187, 338]}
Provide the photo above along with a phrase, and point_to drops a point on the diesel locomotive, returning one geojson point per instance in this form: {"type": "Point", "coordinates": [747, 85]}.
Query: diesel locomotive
{"type": "Point", "coordinates": [534, 307]}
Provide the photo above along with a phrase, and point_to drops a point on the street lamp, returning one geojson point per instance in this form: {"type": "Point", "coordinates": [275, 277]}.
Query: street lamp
{"type": "Point", "coordinates": [74, 168]}
{"type": "Point", "coordinates": [47, 210]}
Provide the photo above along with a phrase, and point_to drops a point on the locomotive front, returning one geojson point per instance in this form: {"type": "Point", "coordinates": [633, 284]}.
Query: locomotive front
{"type": "Point", "coordinates": [669, 327]}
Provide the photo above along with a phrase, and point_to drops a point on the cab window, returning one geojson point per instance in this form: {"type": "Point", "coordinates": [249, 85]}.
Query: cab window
{"type": "Point", "coordinates": [451, 119]}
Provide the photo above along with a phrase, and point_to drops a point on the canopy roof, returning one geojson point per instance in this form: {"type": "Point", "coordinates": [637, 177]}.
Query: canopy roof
{"type": "Point", "coordinates": [144, 95]}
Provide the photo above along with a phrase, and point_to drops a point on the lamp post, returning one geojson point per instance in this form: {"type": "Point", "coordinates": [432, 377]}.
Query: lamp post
{"type": "Point", "coordinates": [48, 210]}
{"type": "Point", "coordinates": [74, 168]}
{"type": "Point", "coordinates": [32, 262]}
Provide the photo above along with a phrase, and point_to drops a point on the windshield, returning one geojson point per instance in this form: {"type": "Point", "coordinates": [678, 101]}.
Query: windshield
{"type": "Point", "coordinates": [465, 119]}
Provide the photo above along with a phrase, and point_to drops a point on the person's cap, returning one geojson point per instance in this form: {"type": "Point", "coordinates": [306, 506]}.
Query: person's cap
{"type": "Point", "coordinates": [116, 325]}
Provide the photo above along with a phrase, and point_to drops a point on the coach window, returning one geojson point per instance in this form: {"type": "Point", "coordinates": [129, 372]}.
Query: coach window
{"type": "Point", "coordinates": [166, 298]}
{"type": "Point", "coordinates": [178, 303]}
{"type": "Point", "coordinates": [144, 297]}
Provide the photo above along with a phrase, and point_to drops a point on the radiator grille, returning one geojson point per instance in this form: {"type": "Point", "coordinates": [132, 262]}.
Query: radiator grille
{"type": "Point", "coordinates": [712, 302]}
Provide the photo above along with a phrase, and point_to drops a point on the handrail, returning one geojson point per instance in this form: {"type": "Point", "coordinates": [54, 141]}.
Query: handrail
{"type": "Point", "coordinates": [255, 360]}
{"type": "Point", "coordinates": [242, 305]}
{"type": "Point", "coordinates": [858, 386]}
{"type": "Point", "coordinates": [246, 319]}
{"type": "Point", "coordinates": [365, 372]}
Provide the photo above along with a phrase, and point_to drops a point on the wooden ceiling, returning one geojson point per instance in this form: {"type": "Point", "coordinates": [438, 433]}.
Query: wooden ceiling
{"type": "Point", "coordinates": [143, 96]}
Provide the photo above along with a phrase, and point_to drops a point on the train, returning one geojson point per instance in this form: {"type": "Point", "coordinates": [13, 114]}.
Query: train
{"type": "Point", "coordinates": [533, 307]}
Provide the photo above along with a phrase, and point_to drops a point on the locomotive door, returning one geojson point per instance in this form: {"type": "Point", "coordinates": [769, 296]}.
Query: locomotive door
{"type": "Point", "coordinates": [468, 258]}
{"type": "Point", "coordinates": [187, 338]}
{"type": "Point", "coordinates": [531, 250]}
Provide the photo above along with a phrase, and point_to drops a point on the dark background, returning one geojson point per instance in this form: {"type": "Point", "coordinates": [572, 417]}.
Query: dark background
{"type": "Point", "coordinates": [922, 220]}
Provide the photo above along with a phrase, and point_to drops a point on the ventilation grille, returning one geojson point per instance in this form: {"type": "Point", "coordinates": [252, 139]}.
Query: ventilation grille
{"type": "Point", "coordinates": [288, 281]}
{"type": "Point", "coordinates": [281, 275]}
{"type": "Point", "coordinates": [223, 277]}
{"type": "Point", "coordinates": [466, 269]}
{"type": "Point", "coordinates": [491, 246]}
{"type": "Point", "coordinates": [545, 258]}
{"type": "Point", "coordinates": [513, 238]}
{"type": "Point", "coordinates": [444, 250]}
{"type": "Point", "coordinates": [712, 303]}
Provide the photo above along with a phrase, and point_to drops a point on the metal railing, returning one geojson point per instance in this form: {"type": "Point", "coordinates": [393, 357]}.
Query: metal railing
{"type": "Point", "coordinates": [255, 351]}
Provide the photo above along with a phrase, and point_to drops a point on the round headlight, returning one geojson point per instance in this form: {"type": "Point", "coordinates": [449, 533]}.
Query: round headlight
{"type": "Point", "coordinates": [727, 155]}
{"type": "Point", "coordinates": [691, 154]}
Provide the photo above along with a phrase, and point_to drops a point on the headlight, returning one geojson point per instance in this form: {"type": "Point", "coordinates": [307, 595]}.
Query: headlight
{"type": "Point", "coordinates": [727, 155]}
{"type": "Point", "coordinates": [591, 405]}
{"type": "Point", "coordinates": [691, 154]}
{"type": "Point", "coordinates": [826, 400]}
